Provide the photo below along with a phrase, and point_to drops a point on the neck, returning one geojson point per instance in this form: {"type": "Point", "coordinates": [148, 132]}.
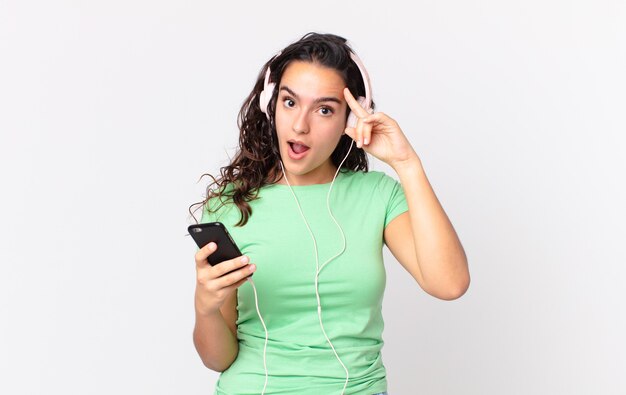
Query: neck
{"type": "Point", "coordinates": [324, 176]}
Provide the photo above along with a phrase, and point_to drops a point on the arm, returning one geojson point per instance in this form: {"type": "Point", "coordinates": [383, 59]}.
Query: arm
{"type": "Point", "coordinates": [215, 337]}
{"type": "Point", "coordinates": [215, 332]}
{"type": "Point", "coordinates": [423, 240]}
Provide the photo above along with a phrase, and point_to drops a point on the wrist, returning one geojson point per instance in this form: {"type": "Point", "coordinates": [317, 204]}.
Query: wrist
{"type": "Point", "coordinates": [411, 162]}
{"type": "Point", "coordinates": [207, 313]}
{"type": "Point", "coordinates": [204, 311]}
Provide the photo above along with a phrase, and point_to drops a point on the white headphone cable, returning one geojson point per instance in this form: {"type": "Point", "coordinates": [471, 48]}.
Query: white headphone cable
{"type": "Point", "coordinates": [318, 269]}
{"type": "Point", "coordinates": [256, 301]}
{"type": "Point", "coordinates": [319, 305]}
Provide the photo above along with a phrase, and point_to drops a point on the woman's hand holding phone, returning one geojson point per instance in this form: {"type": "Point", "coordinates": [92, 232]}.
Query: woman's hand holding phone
{"type": "Point", "coordinates": [215, 283]}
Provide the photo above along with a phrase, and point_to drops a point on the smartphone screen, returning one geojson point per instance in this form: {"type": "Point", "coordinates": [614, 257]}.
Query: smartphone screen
{"type": "Point", "coordinates": [215, 232]}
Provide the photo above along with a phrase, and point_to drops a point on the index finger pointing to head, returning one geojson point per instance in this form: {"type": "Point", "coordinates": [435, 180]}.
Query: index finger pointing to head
{"type": "Point", "coordinates": [354, 104]}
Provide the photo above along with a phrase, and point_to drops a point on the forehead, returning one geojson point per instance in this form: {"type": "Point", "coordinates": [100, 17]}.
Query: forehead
{"type": "Point", "coordinates": [311, 80]}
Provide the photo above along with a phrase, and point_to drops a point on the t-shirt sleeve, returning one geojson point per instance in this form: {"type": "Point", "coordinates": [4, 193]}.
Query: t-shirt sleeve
{"type": "Point", "coordinates": [221, 208]}
{"type": "Point", "coordinates": [392, 194]}
{"type": "Point", "coordinates": [216, 210]}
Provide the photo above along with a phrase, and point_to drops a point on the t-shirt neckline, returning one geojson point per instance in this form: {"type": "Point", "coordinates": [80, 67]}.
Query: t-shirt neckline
{"type": "Point", "coordinates": [340, 175]}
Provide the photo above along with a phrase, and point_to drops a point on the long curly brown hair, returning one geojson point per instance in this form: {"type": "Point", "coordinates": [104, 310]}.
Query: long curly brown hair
{"type": "Point", "coordinates": [257, 160]}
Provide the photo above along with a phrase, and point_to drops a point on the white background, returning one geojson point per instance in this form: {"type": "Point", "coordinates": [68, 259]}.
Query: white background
{"type": "Point", "coordinates": [110, 112]}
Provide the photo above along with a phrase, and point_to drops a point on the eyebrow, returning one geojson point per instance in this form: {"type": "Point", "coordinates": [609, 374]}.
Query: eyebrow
{"type": "Point", "coordinates": [318, 100]}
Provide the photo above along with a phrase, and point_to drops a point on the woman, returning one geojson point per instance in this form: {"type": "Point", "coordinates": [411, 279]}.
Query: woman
{"type": "Point", "coordinates": [310, 220]}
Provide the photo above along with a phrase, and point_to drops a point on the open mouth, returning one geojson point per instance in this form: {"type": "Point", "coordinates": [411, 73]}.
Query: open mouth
{"type": "Point", "coordinates": [297, 150]}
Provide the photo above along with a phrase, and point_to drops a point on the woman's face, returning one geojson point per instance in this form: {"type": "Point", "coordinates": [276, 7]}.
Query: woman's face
{"type": "Point", "coordinates": [310, 119]}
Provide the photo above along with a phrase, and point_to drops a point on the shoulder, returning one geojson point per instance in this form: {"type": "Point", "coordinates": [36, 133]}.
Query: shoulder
{"type": "Point", "coordinates": [365, 177]}
{"type": "Point", "coordinates": [372, 179]}
{"type": "Point", "coordinates": [218, 205]}
{"type": "Point", "coordinates": [378, 184]}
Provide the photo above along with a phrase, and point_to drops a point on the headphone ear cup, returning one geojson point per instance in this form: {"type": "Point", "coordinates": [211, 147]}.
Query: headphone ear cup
{"type": "Point", "coordinates": [265, 96]}
{"type": "Point", "coordinates": [352, 118]}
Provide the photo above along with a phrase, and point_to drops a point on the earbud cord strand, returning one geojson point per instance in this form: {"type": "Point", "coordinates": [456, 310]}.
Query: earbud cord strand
{"type": "Point", "coordinates": [256, 301]}
{"type": "Point", "coordinates": [318, 268]}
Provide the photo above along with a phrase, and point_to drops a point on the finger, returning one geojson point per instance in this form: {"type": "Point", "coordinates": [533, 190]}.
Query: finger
{"type": "Point", "coordinates": [229, 266]}
{"type": "Point", "coordinates": [351, 132]}
{"type": "Point", "coordinates": [364, 132]}
{"type": "Point", "coordinates": [359, 133]}
{"type": "Point", "coordinates": [367, 132]}
{"type": "Point", "coordinates": [354, 105]}
{"type": "Point", "coordinates": [235, 277]}
{"type": "Point", "coordinates": [378, 118]}
{"type": "Point", "coordinates": [235, 285]}
{"type": "Point", "coordinates": [203, 253]}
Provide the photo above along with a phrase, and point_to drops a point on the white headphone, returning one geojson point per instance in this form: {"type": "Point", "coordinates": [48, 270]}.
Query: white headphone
{"type": "Point", "coordinates": [366, 102]}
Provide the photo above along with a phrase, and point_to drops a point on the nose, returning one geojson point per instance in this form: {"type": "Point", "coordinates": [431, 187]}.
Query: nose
{"type": "Point", "coordinates": [300, 123]}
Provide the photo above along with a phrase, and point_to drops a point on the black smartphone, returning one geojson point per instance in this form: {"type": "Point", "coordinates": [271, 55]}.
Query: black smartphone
{"type": "Point", "coordinates": [215, 232]}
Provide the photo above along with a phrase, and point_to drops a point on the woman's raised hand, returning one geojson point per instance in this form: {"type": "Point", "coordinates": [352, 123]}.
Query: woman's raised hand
{"type": "Point", "coordinates": [378, 134]}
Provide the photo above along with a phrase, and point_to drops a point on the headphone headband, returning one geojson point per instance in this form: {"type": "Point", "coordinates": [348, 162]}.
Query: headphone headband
{"type": "Point", "coordinates": [268, 90]}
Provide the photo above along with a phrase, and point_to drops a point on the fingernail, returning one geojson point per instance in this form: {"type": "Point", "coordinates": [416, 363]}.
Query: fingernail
{"type": "Point", "coordinates": [366, 141]}
{"type": "Point", "coordinates": [244, 259]}
{"type": "Point", "coordinates": [211, 245]}
{"type": "Point", "coordinates": [252, 267]}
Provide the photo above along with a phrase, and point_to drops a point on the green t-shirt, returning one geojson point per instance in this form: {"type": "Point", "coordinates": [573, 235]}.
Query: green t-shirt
{"type": "Point", "coordinates": [351, 287]}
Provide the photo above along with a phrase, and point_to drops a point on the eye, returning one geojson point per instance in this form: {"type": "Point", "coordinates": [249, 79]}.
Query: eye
{"type": "Point", "coordinates": [288, 102]}
{"type": "Point", "coordinates": [326, 110]}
